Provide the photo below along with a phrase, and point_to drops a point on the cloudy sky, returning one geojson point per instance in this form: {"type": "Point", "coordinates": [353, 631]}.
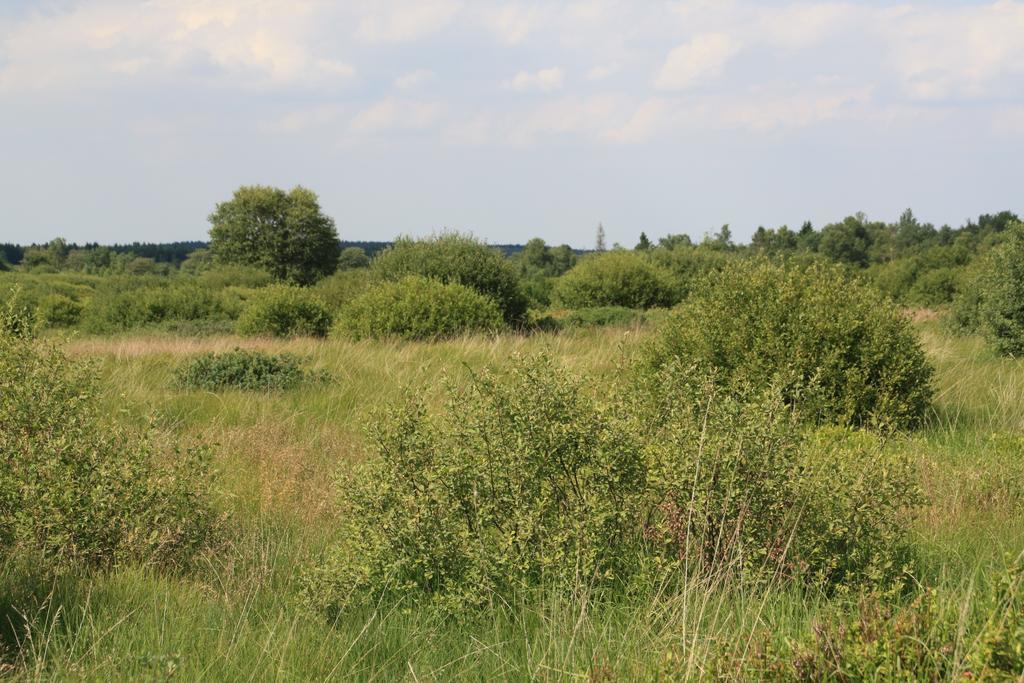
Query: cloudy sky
{"type": "Point", "coordinates": [125, 120]}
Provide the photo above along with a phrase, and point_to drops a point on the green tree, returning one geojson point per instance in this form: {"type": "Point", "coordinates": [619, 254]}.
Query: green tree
{"type": "Point", "coordinates": [283, 232]}
{"type": "Point", "coordinates": [644, 244]}
{"type": "Point", "coordinates": [352, 258]}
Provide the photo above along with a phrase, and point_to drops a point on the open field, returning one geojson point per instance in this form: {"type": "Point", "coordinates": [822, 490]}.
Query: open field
{"type": "Point", "coordinates": [241, 617]}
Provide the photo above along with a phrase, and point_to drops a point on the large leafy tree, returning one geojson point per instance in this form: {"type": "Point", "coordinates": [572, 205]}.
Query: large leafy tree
{"type": "Point", "coordinates": [282, 232]}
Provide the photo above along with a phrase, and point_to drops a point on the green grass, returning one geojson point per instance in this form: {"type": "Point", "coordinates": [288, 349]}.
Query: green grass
{"type": "Point", "coordinates": [240, 617]}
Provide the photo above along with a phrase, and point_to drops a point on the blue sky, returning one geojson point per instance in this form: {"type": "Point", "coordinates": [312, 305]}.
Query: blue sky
{"type": "Point", "coordinates": [124, 120]}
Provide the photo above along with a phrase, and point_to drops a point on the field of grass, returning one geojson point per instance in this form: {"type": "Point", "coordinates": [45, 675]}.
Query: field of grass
{"type": "Point", "coordinates": [241, 616]}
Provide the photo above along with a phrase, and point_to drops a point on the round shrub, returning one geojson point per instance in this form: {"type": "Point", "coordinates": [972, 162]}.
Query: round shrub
{"type": "Point", "coordinates": [418, 308]}
{"type": "Point", "coordinates": [76, 490]}
{"type": "Point", "coordinates": [837, 349]}
{"type": "Point", "coordinates": [454, 258]}
{"type": "Point", "coordinates": [284, 311]}
{"type": "Point", "coordinates": [57, 310]}
{"type": "Point", "coordinates": [129, 302]}
{"type": "Point", "coordinates": [616, 278]}
{"type": "Point", "coordinates": [243, 369]}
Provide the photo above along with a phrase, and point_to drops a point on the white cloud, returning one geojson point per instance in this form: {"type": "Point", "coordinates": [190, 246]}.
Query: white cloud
{"type": "Point", "coordinates": [544, 80]}
{"type": "Point", "coordinates": [398, 22]}
{"type": "Point", "coordinates": [601, 72]}
{"type": "Point", "coordinates": [392, 114]}
{"type": "Point", "coordinates": [414, 79]}
{"type": "Point", "coordinates": [513, 23]}
{"type": "Point", "coordinates": [107, 42]}
{"type": "Point", "coordinates": [642, 124]}
{"type": "Point", "coordinates": [698, 60]}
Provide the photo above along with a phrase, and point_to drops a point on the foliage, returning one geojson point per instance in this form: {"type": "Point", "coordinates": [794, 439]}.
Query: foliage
{"type": "Point", "coordinates": [836, 348]}
{"type": "Point", "coordinates": [523, 480]}
{"type": "Point", "coordinates": [243, 369]}
{"type": "Point", "coordinates": [352, 258]}
{"type": "Point", "coordinates": [125, 303]}
{"type": "Point", "coordinates": [284, 233]}
{"type": "Point", "coordinates": [602, 316]}
{"type": "Point", "coordinates": [923, 640]}
{"type": "Point", "coordinates": [743, 489]}
{"type": "Point", "coordinates": [284, 311]}
{"type": "Point", "coordinates": [339, 289]}
{"type": "Point", "coordinates": [58, 310]}
{"type": "Point", "coordinates": [460, 259]}
{"type": "Point", "coordinates": [526, 481]}
{"type": "Point", "coordinates": [617, 278]}
{"type": "Point", "coordinates": [75, 490]}
{"type": "Point", "coordinates": [418, 308]}
{"type": "Point", "coordinates": [993, 301]}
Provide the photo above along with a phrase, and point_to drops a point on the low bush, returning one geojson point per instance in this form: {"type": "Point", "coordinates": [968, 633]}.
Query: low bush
{"type": "Point", "coordinates": [127, 303]}
{"type": "Point", "coordinates": [617, 278]}
{"type": "Point", "coordinates": [418, 308]}
{"type": "Point", "coordinates": [934, 637]}
{"type": "Point", "coordinates": [57, 310]}
{"type": "Point", "coordinates": [526, 480]}
{"type": "Point", "coordinates": [244, 369]}
{"type": "Point", "coordinates": [837, 349]}
{"type": "Point", "coordinates": [76, 490]}
{"type": "Point", "coordinates": [456, 259]}
{"type": "Point", "coordinates": [284, 311]}
{"type": "Point", "coordinates": [603, 316]}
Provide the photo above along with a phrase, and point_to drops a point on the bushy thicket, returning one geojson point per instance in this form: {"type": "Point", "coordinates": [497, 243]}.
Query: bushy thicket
{"type": "Point", "coordinates": [460, 259]}
{"type": "Point", "coordinates": [839, 351]}
{"type": "Point", "coordinates": [617, 278]}
{"type": "Point", "coordinates": [284, 311]}
{"type": "Point", "coordinates": [121, 304]}
{"type": "Point", "coordinates": [418, 308]}
{"type": "Point", "coordinates": [526, 480]}
{"type": "Point", "coordinates": [77, 490]}
{"type": "Point", "coordinates": [992, 301]}
{"type": "Point", "coordinates": [244, 369]}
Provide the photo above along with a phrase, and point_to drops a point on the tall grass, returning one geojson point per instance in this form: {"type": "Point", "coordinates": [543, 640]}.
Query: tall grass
{"type": "Point", "coordinates": [240, 616]}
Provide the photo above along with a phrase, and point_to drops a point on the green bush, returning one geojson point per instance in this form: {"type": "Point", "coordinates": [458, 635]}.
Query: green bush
{"type": "Point", "coordinates": [284, 311]}
{"type": "Point", "coordinates": [837, 349]}
{"type": "Point", "coordinates": [127, 303]}
{"type": "Point", "coordinates": [418, 308]}
{"type": "Point", "coordinates": [57, 310]}
{"type": "Point", "coordinates": [454, 258]}
{"type": "Point", "coordinates": [342, 287]}
{"type": "Point", "coordinates": [602, 316]}
{"type": "Point", "coordinates": [526, 480]}
{"type": "Point", "coordinates": [243, 369]}
{"type": "Point", "coordinates": [76, 490]}
{"type": "Point", "coordinates": [741, 487]}
{"type": "Point", "coordinates": [523, 480]}
{"type": "Point", "coordinates": [616, 278]}
{"type": "Point", "coordinates": [934, 637]}
{"type": "Point", "coordinates": [993, 299]}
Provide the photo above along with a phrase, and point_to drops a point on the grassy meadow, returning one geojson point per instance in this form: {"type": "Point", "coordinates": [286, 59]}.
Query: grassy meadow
{"type": "Point", "coordinates": [241, 616]}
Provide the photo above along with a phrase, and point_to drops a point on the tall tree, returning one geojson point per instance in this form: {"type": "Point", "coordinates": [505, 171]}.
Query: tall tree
{"type": "Point", "coordinates": [644, 244]}
{"type": "Point", "coordinates": [282, 232]}
{"type": "Point", "coordinates": [600, 245]}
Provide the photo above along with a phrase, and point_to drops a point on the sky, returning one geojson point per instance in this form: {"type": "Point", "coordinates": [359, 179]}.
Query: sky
{"type": "Point", "coordinates": [128, 120]}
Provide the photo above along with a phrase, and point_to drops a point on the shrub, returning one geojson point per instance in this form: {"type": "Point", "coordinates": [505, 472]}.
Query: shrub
{"type": "Point", "coordinates": [605, 315]}
{"type": "Point", "coordinates": [525, 481]}
{"type": "Point", "coordinates": [839, 351]}
{"type": "Point", "coordinates": [616, 278]}
{"type": "Point", "coordinates": [454, 258]}
{"type": "Point", "coordinates": [418, 308]}
{"type": "Point", "coordinates": [127, 303]}
{"type": "Point", "coordinates": [284, 311]}
{"type": "Point", "coordinates": [741, 487]}
{"type": "Point", "coordinates": [57, 310]}
{"type": "Point", "coordinates": [993, 302]}
{"type": "Point", "coordinates": [522, 480]}
{"type": "Point", "coordinates": [75, 490]}
{"type": "Point", "coordinates": [342, 287]}
{"type": "Point", "coordinates": [352, 258]}
{"type": "Point", "coordinates": [243, 369]}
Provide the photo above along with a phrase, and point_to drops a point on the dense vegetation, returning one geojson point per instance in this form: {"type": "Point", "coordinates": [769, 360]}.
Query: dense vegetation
{"type": "Point", "coordinates": [680, 461]}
